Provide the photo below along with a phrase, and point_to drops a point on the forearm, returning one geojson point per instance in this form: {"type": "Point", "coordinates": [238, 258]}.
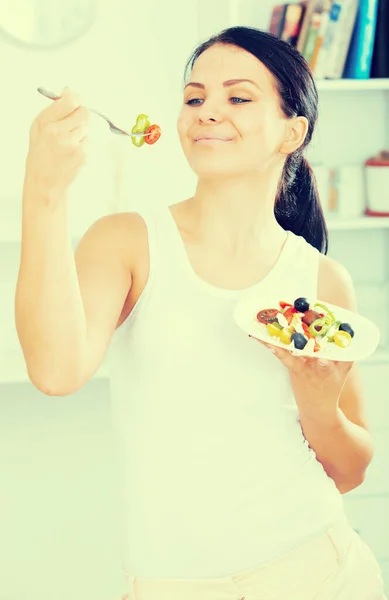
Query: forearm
{"type": "Point", "coordinates": [49, 311]}
{"type": "Point", "coordinates": [342, 447]}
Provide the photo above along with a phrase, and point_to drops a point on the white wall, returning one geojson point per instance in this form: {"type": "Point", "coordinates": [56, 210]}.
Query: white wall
{"type": "Point", "coordinates": [59, 507]}
{"type": "Point", "coordinates": [130, 62]}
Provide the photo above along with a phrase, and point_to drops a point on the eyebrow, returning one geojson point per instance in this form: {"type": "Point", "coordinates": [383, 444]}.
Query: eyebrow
{"type": "Point", "coordinates": [227, 83]}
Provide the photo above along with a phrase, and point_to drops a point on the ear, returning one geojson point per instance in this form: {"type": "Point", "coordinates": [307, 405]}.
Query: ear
{"type": "Point", "coordinates": [296, 131]}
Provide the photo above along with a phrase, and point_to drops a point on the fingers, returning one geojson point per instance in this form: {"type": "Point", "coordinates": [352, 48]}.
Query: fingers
{"type": "Point", "coordinates": [67, 104]}
{"type": "Point", "coordinates": [75, 136]}
{"type": "Point", "coordinates": [71, 128]}
{"type": "Point", "coordinates": [284, 356]}
{"type": "Point", "coordinates": [295, 362]}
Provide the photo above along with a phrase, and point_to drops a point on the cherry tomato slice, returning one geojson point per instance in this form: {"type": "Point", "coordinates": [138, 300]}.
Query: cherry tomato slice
{"type": "Point", "coordinates": [267, 315]}
{"type": "Point", "coordinates": [155, 134]}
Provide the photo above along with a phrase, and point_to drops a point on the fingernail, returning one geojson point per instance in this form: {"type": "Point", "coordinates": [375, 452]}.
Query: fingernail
{"type": "Point", "coordinates": [272, 349]}
{"type": "Point", "coordinates": [322, 363]}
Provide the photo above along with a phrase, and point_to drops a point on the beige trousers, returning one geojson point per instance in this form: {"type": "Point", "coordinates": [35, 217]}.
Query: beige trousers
{"type": "Point", "coordinates": [336, 565]}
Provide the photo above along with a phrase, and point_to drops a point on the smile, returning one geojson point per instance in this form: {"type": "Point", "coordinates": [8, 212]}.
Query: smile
{"type": "Point", "coordinates": [211, 140]}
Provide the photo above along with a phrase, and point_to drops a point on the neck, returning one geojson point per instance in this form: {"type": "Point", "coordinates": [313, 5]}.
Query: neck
{"type": "Point", "coordinates": [237, 213]}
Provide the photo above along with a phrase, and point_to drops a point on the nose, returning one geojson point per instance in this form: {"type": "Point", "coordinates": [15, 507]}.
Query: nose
{"type": "Point", "coordinates": [208, 113]}
{"type": "Point", "coordinates": [207, 119]}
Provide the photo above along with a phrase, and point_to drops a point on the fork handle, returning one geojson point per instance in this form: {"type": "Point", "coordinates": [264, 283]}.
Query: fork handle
{"type": "Point", "coordinates": [53, 96]}
{"type": "Point", "coordinates": [48, 94]}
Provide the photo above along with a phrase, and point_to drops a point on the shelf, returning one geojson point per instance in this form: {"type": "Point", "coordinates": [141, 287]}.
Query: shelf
{"type": "Point", "coordinates": [334, 223]}
{"type": "Point", "coordinates": [352, 85]}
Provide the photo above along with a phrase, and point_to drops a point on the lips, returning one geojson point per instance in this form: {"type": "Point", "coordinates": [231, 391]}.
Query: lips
{"type": "Point", "coordinates": [212, 138]}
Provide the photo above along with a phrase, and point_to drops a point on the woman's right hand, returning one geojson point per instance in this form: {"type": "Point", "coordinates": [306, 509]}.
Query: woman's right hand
{"type": "Point", "coordinates": [57, 145]}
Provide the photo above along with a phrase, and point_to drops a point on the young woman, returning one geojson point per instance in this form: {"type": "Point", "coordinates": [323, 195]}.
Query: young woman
{"type": "Point", "coordinates": [234, 457]}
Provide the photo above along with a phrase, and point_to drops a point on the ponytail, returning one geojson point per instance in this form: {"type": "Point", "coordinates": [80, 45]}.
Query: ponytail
{"type": "Point", "coordinates": [297, 207]}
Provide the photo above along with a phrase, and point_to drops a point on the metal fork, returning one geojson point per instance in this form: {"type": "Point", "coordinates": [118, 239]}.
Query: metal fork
{"type": "Point", "coordinates": [112, 127]}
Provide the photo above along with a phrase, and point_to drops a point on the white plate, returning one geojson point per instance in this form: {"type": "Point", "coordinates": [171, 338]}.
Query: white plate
{"type": "Point", "coordinates": [364, 343]}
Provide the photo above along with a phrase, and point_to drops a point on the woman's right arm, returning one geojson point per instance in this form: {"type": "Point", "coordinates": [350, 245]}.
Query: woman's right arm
{"type": "Point", "coordinates": [67, 305]}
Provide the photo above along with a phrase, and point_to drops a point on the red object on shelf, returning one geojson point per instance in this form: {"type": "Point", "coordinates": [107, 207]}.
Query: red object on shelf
{"type": "Point", "coordinates": [372, 213]}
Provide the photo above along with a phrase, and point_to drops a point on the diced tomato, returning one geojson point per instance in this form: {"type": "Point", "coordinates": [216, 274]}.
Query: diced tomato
{"type": "Point", "coordinates": [306, 330]}
{"type": "Point", "coordinates": [285, 304]}
{"type": "Point", "coordinates": [288, 314]}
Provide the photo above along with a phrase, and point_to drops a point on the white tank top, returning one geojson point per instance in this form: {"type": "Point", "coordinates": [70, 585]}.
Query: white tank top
{"type": "Point", "coordinates": [217, 475]}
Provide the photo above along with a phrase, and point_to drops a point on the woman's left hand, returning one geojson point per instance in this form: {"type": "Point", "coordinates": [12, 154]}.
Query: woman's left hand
{"type": "Point", "coordinates": [316, 383]}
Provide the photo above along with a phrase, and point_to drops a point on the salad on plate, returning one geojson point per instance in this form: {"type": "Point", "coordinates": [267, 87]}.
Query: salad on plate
{"type": "Point", "coordinates": [311, 327]}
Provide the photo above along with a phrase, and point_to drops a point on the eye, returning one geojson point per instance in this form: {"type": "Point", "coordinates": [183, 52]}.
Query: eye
{"type": "Point", "coordinates": [233, 100]}
{"type": "Point", "coordinates": [193, 101]}
{"type": "Point", "coordinates": [239, 100]}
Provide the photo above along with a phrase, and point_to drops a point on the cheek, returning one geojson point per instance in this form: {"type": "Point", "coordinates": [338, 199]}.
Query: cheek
{"type": "Point", "coordinates": [183, 123]}
{"type": "Point", "coordinates": [268, 133]}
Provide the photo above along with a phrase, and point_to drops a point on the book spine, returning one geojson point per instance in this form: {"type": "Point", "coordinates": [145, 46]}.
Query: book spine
{"type": "Point", "coordinates": [292, 23]}
{"type": "Point", "coordinates": [277, 19]}
{"type": "Point", "coordinates": [321, 62]}
{"type": "Point", "coordinates": [305, 26]}
{"type": "Point", "coordinates": [358, 63]}
{"type": "Point", "coordinates": [325, 16]}
{"type": "Point", "coordinates": [343, 28]}
{"type": "Point", "coordinates": [380, 60]}
{"type": "Point", "coordinates": [312, 36]}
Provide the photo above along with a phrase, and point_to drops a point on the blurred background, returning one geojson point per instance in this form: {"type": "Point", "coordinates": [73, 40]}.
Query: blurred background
{"type": "Point", "coordinates": [59, 501]}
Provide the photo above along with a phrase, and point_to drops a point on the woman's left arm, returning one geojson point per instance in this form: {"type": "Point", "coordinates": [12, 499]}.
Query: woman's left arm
{"type": "Point", "coordinates": [329, 395]}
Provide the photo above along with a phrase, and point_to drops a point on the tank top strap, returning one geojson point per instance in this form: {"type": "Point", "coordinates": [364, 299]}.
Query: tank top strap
{"type": "Point", "coordinates": [150, 219]}
{"type": "Point", "coordinates": [302, 264]}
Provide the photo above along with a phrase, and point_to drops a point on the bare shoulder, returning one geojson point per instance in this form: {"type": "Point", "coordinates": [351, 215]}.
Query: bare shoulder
{"type": "Point", "coordinates": [112, 262]}
{"type": "Point", "coordinates": [118, 234]}
{"type": "Point", "coordinates": [117, 227]}
{"type": "Point", "coordinates": [335, 284]}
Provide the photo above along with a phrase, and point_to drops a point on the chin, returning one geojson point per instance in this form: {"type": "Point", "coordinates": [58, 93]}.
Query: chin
{"type": "Point", "coordinates": [219, 166]}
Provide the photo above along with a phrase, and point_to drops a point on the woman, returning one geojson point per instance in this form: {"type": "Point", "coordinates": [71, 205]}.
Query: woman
{"type": "Point", "coordinates": [234, 458]}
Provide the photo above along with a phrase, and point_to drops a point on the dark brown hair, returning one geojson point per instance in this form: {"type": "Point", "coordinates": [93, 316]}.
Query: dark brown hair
{"type": "Point", "coordinates": [297, 206]}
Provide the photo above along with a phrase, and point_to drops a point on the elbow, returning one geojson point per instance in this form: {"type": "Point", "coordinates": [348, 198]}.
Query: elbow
{"type": "Point", "coordinates": [53, 390]}
{"type": "Point", "coordinates": [54, 387]}
{"type": "Point", "coordinates": [351, 484]}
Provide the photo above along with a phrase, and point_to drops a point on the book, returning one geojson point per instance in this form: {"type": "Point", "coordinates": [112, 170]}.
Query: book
{"type": "Point", "coordinates": [277, 19]}
{"type": "Point", "coordinates": [302, 38]}
{"type": "Point", "coordinates": [324, 19]}
{"type": "Point", "coordinates": [294, 14]}
{"type": "Point", "coordinates": [380, 59]}
{"type": "Point", "coordinates": [312, 34]}
{"type": "Point", "coordinates": [286, 20]}
{"type": "Point", "coordinates": [360, 54]}
{"type": "Point", "coordinates": [333, 53]}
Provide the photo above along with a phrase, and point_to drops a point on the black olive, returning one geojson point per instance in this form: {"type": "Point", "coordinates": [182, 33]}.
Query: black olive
{"type": "Point", "coordinates": [300, 341]}
{"type": "Point", "coordinates": [346, 327]}
{"type": "Point", "coordinates": [301, 304]}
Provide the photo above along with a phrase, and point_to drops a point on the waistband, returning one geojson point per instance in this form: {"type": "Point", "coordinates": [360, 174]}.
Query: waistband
{"type": "Point", "coordinates": [332, 546]}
